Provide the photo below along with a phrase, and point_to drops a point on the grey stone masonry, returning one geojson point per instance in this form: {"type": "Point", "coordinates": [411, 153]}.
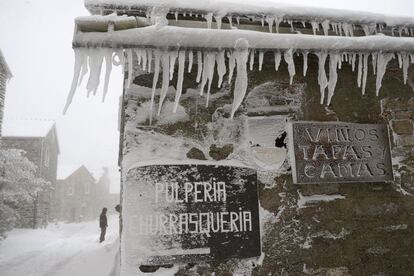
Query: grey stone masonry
{"type": "Point", "coordinates": [399, 112]}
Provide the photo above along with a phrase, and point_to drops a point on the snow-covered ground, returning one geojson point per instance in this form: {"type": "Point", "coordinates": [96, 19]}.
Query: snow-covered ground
{"type": "Point", "coordinates": [60, 250]}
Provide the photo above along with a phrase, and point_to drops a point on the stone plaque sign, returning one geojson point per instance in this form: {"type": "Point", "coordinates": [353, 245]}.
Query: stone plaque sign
{"type": "Point", "coordinates": [189, 213]}
{"type": "Point", "coordinates": [326, 152]}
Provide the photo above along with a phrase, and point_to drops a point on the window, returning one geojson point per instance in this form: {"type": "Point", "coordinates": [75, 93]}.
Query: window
{"type": "Point", "coordinates": [87, 188]}
{"type": "Point", "coordinates": [70, 189]}
{"type": "Point", "coordinates": [46, 158]}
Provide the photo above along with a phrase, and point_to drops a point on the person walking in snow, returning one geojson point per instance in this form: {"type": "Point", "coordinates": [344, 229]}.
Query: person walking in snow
{"type": "Point", "coordinates": [103, 224]}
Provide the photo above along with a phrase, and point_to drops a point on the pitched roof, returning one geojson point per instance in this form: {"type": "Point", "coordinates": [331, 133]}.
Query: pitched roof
{"type": "Point", "coordinates": [27, 128]}
{"type": "Point", "coordinates": [64, 172]}
{"type": "Point", "coordinates": [3, 64]}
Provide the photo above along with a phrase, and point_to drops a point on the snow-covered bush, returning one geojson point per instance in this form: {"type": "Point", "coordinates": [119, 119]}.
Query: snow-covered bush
{"type": "Point", "coordinates": [19, 184]}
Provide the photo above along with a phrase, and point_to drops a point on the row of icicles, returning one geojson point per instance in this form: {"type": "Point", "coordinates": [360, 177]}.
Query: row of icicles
{"type": "Point", "coordinates": [222, 62]}
{"type": "Point", "coordinates": [339, 28]}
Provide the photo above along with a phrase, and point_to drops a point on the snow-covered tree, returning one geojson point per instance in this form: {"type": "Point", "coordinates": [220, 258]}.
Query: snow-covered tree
{"type": "Point", "coordinates": [18, 185]}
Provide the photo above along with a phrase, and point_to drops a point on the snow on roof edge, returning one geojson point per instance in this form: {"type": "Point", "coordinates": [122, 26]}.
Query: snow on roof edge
{"type": "Point", "coordinates": [27, 127]}
{"type": "Point", "coordinates": [278, 10]}
{"type": "Point", "coordinates": [179, 37]}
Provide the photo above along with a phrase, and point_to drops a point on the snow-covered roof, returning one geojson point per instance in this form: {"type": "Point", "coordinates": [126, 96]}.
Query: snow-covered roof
{"type": "Point", "coordinates": [260, 8]}
{"type": "Point", "coordinates": [3, 64]}
{"type": "Point", "coordinates": [26, 128]}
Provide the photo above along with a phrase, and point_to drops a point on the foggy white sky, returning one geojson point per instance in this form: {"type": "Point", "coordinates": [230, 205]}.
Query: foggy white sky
{"type": "Point", "coordinates": [35, 37]}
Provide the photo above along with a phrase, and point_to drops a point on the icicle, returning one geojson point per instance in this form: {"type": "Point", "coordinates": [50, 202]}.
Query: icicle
{"type": "Point", "coordinates": [130, 67]}
{"type": "Point", "coordinates": [353, 61]}
{"type": "Point", "coordinates": [232, 64]}
{"type": "Point", "coordinates": [303, 24]}
{"type": "Point", "coordinates": [270, 21]}
{"type": "Point", "coordinates": [322, 79]}
{"type": "Point", "coordinates": [241, 54]}
{"type": "Point", "coordinates": [277, 23]}
{"type": "Point", "coordinates": [173, 56]}
{"type": "Point", "coordinates": [144, 59]}
{"type": "Point", "coordinates": [84, 65]}
{"type": "Point", "coordinates": [340, 28]}
{"type": "Point", "coordinates": [165, 60]}
{"type": "Point", "coordinates": [365, 74]}
{"type": "Point", "coordinates": [382, 61]}
{"type": "Point", "coordinates": [359, 69]}
{"type": "Point", "coordinates": [348, 29]}
{"type": "Point", "coordinates": [79, 63]}
{"type": "Point", "coordinates": [238, 20]}
{"type": "Point", "coordinates": [209, 18]}
{"type": "Point", "coordinates": [251, 59]}
{"type": "Point", "coordinates": [291, 25]}
{"type": "Point", "coordinates": [278, 57]}
{"type": "Point", "coordinates": [399, 60]}
{"type": "Point", "coordinates": [315, 26]}
{"type": "Point", "coordinates": [400, 30]}
{"type": "Point", "coordinates": [288, 56]}
{"type": "Point", "coordinates": [221, 67]}
{"type": "Point", "coordinates": [262, 20]}
{"type": "Point", "coordinates": [305, 63]}
{"type": "Point", "coordinates": [374, 62]}
{"type": "Point", "coordinates": [335, 27]}
{"type": "Point", "coordinates": [204, 76]}
{"type": "Point", "coordinates": [121, 60]}
{"type": "Point", "coordinates": [199, 66]}
{"type": "Point", "coordinates": [176, 15]}
{"type": "Point", "coordinates": [230, 21]}
{"type": "Point", "coordinates": [95, 65]}
{"type": "Point", "coordinates": [108, 66]}
{"type": "Point", "coordinates": [181, 64]}
{"type": "Point", "coordinates": [325, 27]}
{"type": "Point", "coordinates": [211, 62]}
{"type": "Point", "coordinates": [157, 54]}
{"type": "Point", "coordinates": [334, 60]}
{"type": "Point", "coordinates": [138, 54]}
{"type": "Point", "coordinates": [261, 54]}
{"type": "Point", "coordinates": [149, 54]}
{"type": "Point", "coordinates": [190, 61]}
{"type": "Point", "coordinates": [405, 64]}
{"type": "Point", "coordinates": [218, 21]}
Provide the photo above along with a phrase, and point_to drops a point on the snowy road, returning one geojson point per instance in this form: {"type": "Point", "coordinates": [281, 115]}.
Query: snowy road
{"type": "Point", "coordinates": [60, 250]}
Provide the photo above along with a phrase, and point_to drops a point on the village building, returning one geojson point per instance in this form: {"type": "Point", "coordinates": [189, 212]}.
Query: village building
{"type": "Point", "coordinates": [221, 85]}
{"type": "Point", "coordinates": [80, 197]}
{"type": "Point", "coordinates": [39, 140]}
{"type": "Point", "coordinates": [5, 75]}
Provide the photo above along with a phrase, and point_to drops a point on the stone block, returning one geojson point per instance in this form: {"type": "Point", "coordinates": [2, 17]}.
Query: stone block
{"type": "Point", "coordinates": [404, 115]}
{"type": "Point", "coordinates": [220, 153]}
{"type": "Point", "coordinates": [195, 153]}
{"type": "Point", "coordinates": [402, 126]}
{"type": "Point", "coordinates": [405, 140]}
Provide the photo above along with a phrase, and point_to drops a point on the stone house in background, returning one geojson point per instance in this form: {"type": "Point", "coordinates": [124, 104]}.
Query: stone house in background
{"type": "Point", "coordinates": [80, 197]}
{"type": "Point", "coordinates": [38, 138]}
{"type": "Point", "coordinates": [5, 75]}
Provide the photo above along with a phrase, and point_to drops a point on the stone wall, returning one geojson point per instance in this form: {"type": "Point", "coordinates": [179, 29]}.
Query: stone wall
{"type": "Point", "coordinates": [321, 229]}
{"type": "Point", "coordinates": [399, 112]}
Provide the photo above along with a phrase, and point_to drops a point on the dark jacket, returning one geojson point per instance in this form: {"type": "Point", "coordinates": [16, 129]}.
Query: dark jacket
{"type": "Point", "coordinates": [103, 221]}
